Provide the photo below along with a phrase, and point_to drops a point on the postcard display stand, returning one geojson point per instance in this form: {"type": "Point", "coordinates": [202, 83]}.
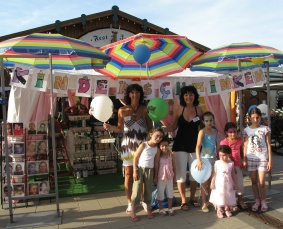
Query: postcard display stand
{"type": "Point", "coordinates": [29, 166]}
{"type": "Point", "coordinates": [79, 145]}
{"type": "Point", "coordinates": [105, 155]}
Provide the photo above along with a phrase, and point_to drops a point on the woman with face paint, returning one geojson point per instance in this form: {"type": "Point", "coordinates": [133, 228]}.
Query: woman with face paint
{"type": "Point", "coordinates": [206, 148]}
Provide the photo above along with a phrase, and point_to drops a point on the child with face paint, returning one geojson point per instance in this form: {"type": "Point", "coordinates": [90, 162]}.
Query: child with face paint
{"type": "Point", "coordinates": [145, 164]}
{"type": "Point", "coordinates": [235, 143]}
{"type": "Point", "coordinates": [206, 148]}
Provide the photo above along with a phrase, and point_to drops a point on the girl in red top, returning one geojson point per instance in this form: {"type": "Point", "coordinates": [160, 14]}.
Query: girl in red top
{"type": "Point", "coordinates": [235, 144]}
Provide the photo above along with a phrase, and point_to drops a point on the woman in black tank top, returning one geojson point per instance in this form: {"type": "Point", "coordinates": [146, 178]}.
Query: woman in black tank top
{"type": "Point", "coordinates": [187, 119]}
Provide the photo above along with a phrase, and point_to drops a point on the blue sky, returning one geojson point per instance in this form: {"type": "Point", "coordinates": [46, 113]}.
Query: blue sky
{"type": "Point", "coordinates": [208, 22]}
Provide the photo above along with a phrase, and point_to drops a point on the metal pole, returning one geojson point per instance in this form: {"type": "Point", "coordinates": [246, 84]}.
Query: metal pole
{"type": "Point", "coordinates": [268, 110]}
{"type": "Point", "coordinates": [240, 101]}
{"type": "Point", "coordinates": [53, 137]}
{"type": "Point", "coordinates": [6, 141]}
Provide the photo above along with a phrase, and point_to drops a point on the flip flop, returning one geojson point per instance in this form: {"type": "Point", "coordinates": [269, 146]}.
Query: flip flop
{"type": "Point", "coordinates": [150, 215]}
{"type": "Point", "coordinates": [195, 203]}
{"type": "Point", "coordinates": [184, 207]}
{"type": "Point", "coordinates": [135, 218]}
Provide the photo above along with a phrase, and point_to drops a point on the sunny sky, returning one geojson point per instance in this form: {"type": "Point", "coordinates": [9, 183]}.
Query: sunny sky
{"type": "Point", "coordinates": [209, 22]}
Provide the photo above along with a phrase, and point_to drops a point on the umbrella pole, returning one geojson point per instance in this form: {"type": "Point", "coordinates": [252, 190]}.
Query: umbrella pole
{"type": "Point", "coordinates": [268, 110]}
{"type": "Point", "coordinates": [53, 137]}
{"type": "Point", "coordinates": [240, 101]}
{"type": "Point", "coordinates": [4, 130]}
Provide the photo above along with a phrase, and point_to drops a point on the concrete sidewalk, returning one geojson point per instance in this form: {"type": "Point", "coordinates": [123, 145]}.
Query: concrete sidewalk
{"type": "Point", "coordinates": [107, 211]}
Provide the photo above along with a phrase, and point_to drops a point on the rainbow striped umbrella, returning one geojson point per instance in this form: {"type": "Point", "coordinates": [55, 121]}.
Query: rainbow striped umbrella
{"type": "Point", "coordinates": [169, 54]}
{"type": "Point", "coordinates": [67, 53]}
{"type": "Point", "coordinates": [225, 58]}
{"type": "Point", "coordinates": [228, 65]}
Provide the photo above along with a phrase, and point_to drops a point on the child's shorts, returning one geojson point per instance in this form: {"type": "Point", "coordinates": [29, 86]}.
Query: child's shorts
{"type": "Point", "coordinates": [255, 164]}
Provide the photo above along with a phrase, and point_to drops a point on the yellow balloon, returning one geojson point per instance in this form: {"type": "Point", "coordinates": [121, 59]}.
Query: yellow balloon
{"type": "Point", "coordinates": [257, 60]}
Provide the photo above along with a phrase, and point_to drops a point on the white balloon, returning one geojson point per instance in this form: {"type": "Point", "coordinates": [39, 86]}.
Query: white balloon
{"type": "Point", "coordinates": [264, 109]}
{"type": "Point", "coordinates": [102, 108]}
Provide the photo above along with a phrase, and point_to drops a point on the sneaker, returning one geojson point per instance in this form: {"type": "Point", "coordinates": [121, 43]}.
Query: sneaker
{"type": "Point", "coordinates": [205, 209]}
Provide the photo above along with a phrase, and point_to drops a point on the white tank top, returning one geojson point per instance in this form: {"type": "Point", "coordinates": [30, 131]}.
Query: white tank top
{"type": "Point", "coordinates": [147, 156]}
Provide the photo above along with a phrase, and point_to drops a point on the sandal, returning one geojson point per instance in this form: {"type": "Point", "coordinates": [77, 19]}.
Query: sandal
{"type": "Point", "coordinates": [234, 208]}
{"type": "Point", "coordinates": [264, 206]}
{"type": "Point", "coordinates": [150, 215]}
{"type": "Point", "coordinates": [171, 212]}
{"type": "Point", "coordinates": [219, 213]}
{"type": "Point", "coordinates": [195, 203]}
{"type": "Point", "coordinates": [144, 205]}
{"type": "Point", "coordinates": [184, 207]}
{"type": "Point", "coordinates": [129, 210]}
{"type": "Point", "coordinates": [256, 205]}
{"type": "Point", "coordinates": [243, 205]}
{"type": "Point", "coordinates": [228, 213]}
{"type": "Point", "coordinates": [135, 218]}
{"type": "Point", "coordinates": [162, 212]}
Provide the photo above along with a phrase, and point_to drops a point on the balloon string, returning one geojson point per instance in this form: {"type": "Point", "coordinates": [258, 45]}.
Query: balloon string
{"type": "Point", "coordinates": [112, 143]}
{"type": "Point", "coordinates": [206, 193]}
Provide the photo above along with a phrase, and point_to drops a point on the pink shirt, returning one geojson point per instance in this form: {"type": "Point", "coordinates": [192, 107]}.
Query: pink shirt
{"type": "Point", "coordinates": [236, 150]}
{"type": "Point", "coordinates": [165, 168]}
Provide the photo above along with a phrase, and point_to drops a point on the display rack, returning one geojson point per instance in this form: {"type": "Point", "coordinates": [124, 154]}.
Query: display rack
{"type": "Point", "coordinates": [79, 144]}
{"type": "Point", "coordinates": [106, 158]}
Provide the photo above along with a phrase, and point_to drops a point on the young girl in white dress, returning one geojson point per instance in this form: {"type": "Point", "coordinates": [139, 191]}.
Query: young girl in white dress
{"type": "Point", "coordinates": [223, 183]}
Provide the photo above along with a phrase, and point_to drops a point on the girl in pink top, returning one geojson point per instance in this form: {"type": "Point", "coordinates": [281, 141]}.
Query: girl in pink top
{"type": "Point", "coordinates": [235, 144]}
{"type": "Point", "coordinates": [166, 176]}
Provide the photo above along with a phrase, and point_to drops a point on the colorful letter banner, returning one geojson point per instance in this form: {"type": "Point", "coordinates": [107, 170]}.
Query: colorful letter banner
{"type": "Point", "coordinates": [20, 76]}
{"type": "Point", "coordinates": [166, 88]}
{"type": "Point", "coordinates": [148, 89]}
{"type": "Point", "coordinates": [101, 86]}
{"type": "Point", "coordinates": [39, 79]}
{"type": "Point", "coordinates": [83, 87]}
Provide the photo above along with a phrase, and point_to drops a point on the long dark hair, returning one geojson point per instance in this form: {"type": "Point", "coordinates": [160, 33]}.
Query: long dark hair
{"type": "Point", "coordinates": [131, 88]}
{"type": "Point", "coordinates": [255, 111]}
{"type": "Point", "coordinates": [189, 89]}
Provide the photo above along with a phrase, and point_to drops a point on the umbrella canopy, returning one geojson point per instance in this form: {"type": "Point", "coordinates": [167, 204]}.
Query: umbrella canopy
{"type": "Point", "coordinates": [44, 45]}
{"type": "Point", "coordinates": [56, 44]}
{"type": "Point", "coordinates": [227, 65]}
{"type": "Point", "coordinates": [236, 51]}
{"type": "Point", "coordinates": [67, 53]}
{"type": "Point", "coordinates": [169, 54]}
{"type": "Point", "coordinates": [65, 62]}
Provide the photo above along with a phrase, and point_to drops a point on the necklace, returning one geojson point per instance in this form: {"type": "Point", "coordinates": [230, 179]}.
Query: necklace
{"type": "Point", "coordinates": [190, 109]}
{"type": "Point", "coordinates": [135, 111]}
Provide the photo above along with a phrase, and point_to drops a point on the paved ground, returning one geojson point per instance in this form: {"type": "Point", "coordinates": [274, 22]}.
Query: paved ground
{"type": "Point", "coordinates": [107, 211]}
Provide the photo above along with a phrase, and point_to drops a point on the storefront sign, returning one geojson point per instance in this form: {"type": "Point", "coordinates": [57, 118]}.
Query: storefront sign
{"type": "Point", "coordinates": [101, 37]}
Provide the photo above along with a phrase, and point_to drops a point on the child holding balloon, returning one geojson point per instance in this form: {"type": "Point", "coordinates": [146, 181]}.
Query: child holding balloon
{"type": "Point", "coordinates": [223, 182]}
{"type": "Point", "coordinates": [257, 156]}
{"type": "Point", "coordinates": [235, 143]}
{"type": "Point", "coordinates": [145, 165]}
{"type": "Point", "coordinates": [206, 148]}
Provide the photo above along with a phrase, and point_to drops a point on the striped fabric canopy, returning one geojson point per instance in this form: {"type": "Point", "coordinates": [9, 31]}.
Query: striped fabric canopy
{"type": "Point", "coordinates": [67, 53]}
{"type": "Point", "coordinates": [236, 51]}
{"type": "Point", "coordinates": [169, 54]}
{"type": "Point", "coordinates": [231, 65]}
